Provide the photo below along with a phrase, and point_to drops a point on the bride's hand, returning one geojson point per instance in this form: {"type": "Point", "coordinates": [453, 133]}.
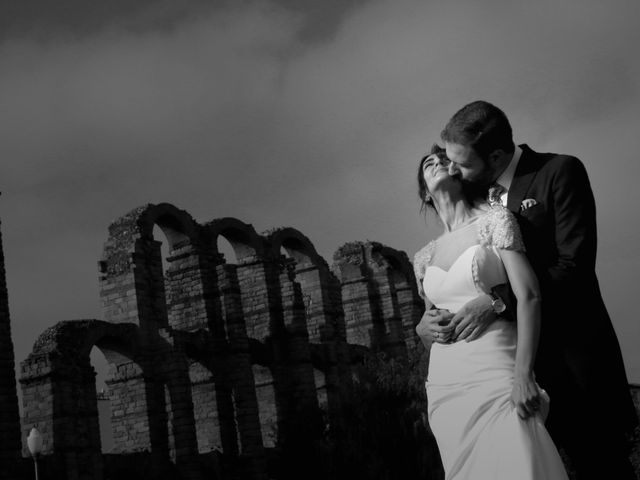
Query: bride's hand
{"type": "Point", "coordinates": [526, 396]}
{"type": "Point", "coordinates": [435, 327]}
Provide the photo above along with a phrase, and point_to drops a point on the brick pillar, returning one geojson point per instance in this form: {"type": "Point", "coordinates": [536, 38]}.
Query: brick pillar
{"type": "Point", "coordinates": [396, 281]}
{"type": "Point", "coordinates": [258, 280]}
{"type": "Point", "coordinates": [384, 277]}
{"type": "Point", "coordinates": [194, 303]}
{"type": "Point", "coordinates": [138, 412]}
{"type": "Point", "coordinates": [252, 459]}
{"type": "Point", "coordinates": [203, 294]}
{"type": "Point", "coordinates": [189, 301]}
{"type": "Point", "coordinates": [411, 308]}
{"type": "Point", "coordinates": [370, 296]}
{"type": "Point", "coordinates": [322, 314]}
{"type": "Point", "coordinates": [9, 415]}
{"type": "Point", "coordinates": [207, 421]}
{"type": "Point", "coordinates": [182, 442]}
{"type": "Point", "coordinates": [360, 297]}
{"type": "Point", "coordinates": [321, 292]}
{"type": "Point", "coordinates": [132, 285]}
{"type": "Point", "coordinates": [297, 359]}
{"type": "Point", "coordinates": [59, 398]}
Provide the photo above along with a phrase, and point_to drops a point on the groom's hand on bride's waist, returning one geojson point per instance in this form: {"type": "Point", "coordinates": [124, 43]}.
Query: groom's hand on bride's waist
{"type": "Point", "coordinates": [435, 326]}
{"type": "Point", "coordinates": [473, 318]}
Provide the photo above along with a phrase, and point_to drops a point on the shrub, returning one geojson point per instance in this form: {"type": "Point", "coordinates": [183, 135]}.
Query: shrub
{"type": "Point", "coordinates": [382, 433]}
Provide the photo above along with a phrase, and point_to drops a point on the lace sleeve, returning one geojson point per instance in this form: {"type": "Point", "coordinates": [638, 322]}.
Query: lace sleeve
{"type": "Point", "coordinates": [499, 228]}
{"type": "Point", "coordinates": [420, 262]}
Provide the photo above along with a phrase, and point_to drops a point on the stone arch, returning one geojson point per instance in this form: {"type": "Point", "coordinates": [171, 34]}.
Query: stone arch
{"type": "Point", "coordinates": [138, 223]}
{"type": "Point", "coordinates": [247, 244]}
{"type": "Point", "coordinates": [325, 324]}
{"type": "Point", "coordinates": [222, 387]}
{"type": "Point", "coordinates": [273, 312]}
{"type": "Point", "coordinates": [135, 288]}
{"type": "Point", "coordinates": [400, 286]}
{"type": "Point", "coordinates": [397, 260]}
{"type": "Point", "coordinates": [320, 287]}
{"type": "Point", "coordinates": [178, 226]}
{"type": "Point", "coordinates": [371, 313]}
{"type": "Point", "coordinates": [59, 392]}
{"type": "Point", "coordinates": [211, 392]}
{"type": "Point", "coordinates": [254, 277]}
{"type": "Point", "coordinates": [75, 338]}
{"type": "Point", "coordinates": [297, 245]}
{"type": "Point", "coordinates": [150, 411]}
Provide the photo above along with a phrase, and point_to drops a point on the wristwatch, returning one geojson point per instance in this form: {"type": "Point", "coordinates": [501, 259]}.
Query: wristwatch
{"type": "Point", "coordinates": [497, 303]}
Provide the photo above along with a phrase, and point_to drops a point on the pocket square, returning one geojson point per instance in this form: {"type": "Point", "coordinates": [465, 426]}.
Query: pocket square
{"type": "Point", "coordinates": [528, 203]}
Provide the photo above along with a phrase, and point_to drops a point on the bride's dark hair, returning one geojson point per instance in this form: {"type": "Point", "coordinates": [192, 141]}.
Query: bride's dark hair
{"type": "Point", "coordinates": [472, 192]}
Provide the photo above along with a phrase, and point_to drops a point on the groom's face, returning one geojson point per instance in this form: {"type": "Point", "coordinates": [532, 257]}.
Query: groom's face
{"type": "Point", "coordinates": [467, 164]}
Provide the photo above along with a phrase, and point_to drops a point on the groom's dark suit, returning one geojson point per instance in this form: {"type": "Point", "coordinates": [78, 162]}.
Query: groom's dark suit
{"type": "Point", "coordinates": [579, 359]}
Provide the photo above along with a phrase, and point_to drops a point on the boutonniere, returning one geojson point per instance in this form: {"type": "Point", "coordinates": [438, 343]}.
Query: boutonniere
{"type": "Point", "coordinates": [527, 203]}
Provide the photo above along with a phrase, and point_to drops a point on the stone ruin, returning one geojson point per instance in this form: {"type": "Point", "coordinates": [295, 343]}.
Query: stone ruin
{"type": "Point", "coordinates": [206, 357]}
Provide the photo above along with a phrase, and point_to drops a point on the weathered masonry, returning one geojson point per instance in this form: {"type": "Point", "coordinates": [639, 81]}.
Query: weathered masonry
{"type": "Point", "coordinates": [208, 358]}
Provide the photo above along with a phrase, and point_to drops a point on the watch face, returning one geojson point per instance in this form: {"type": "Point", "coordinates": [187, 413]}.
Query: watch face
{"type": "Point", "coordinates": [498, 305]}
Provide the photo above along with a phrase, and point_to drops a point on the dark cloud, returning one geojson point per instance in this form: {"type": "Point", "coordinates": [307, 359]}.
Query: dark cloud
{"type": "Point", "coordinates": [309, 114]}
{"type": "Point", "coordinates": [77, 18]}
{"type": "Point", "coordinates": [68, 19]}
{"type": "Point", "coordinates": [322, 20]}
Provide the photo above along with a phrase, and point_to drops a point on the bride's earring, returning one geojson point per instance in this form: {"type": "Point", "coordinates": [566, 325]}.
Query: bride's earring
{"type": "Point", "coordinates": [428, 198]}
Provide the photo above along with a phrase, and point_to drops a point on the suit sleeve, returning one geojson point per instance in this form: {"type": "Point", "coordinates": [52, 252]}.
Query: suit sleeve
{"type": "Point", "coordinates": [575, 224]}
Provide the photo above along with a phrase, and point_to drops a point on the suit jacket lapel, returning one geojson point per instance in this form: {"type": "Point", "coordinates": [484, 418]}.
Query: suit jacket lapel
{"type": "Point", "coordinates": [522, 178]}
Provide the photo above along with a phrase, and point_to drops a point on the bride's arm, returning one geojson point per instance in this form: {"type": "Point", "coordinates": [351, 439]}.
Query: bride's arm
{"type": "Point", "coordinates": [525, 394]}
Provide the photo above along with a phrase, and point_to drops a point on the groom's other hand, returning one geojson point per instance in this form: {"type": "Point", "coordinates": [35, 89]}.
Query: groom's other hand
{"type": "Point", "coordinates": [473, 318]}
{"type": "Point", "coordinates": [435, 326]}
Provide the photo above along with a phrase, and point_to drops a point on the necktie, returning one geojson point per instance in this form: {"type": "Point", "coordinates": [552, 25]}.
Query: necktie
{"type": "Point", "coordinates": [495, 192]}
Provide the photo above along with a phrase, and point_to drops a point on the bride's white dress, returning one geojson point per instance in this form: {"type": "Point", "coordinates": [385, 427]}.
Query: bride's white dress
{"type": "Point", "coordinates": [479, 433]}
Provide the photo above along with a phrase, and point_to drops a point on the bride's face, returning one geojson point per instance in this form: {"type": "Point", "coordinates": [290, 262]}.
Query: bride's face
{"type": "Point", "coordinates": [435, 171]}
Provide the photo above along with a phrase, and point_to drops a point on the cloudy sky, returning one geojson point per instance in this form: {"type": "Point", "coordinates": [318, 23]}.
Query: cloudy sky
{"type": "Point", "coordinates": [293, 113]}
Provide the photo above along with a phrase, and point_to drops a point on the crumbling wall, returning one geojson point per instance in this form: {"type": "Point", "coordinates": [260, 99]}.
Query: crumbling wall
{"type": "Point", "coordinates": [213, 358]}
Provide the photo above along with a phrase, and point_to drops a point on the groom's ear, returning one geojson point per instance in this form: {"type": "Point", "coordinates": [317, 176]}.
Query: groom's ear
{"type": "Point", "coordinates": [496, 156]}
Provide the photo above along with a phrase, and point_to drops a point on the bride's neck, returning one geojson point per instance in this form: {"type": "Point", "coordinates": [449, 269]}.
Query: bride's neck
{"type": "Point", "coordinates": [453, 210]}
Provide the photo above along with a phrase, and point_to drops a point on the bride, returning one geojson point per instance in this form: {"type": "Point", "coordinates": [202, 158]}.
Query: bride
{"type": "Point", "coordinates": [485, 408]}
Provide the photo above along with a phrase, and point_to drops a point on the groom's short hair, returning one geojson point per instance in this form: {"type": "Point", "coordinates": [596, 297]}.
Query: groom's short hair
{"type": "Point", "coordinates": [481, 126]}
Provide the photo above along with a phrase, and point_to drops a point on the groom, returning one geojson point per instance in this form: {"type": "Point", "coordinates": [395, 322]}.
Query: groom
{"type": "Point", "coordinates": [579, 360]}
